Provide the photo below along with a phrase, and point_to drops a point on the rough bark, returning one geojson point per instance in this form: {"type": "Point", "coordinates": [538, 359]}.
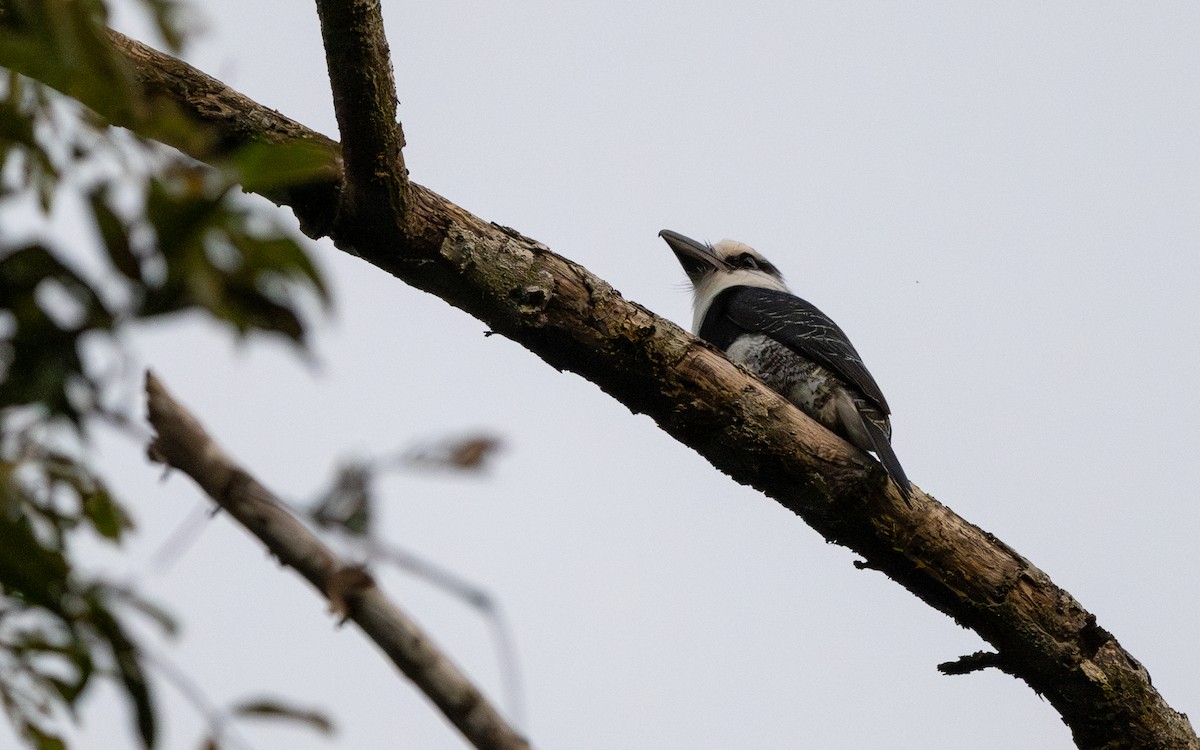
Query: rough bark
{"type": "Point", "coordinates": [181, 442]}
{"type": "Point", "coordinates": [575, 321]}
{"type": "Point", "coordinates": [375, 196]}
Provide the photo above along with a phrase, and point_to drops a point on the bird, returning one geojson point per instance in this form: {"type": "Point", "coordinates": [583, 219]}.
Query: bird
{"type": "Point", "coordinates": [743, 307]}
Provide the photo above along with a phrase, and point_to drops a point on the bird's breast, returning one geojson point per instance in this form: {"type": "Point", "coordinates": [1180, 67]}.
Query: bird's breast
{"type": "Point", "coordinates": [805, 383]}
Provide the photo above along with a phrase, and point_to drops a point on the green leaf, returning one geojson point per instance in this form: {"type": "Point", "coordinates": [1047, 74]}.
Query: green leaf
{"type": "Point", "coordinates": [106, 516]}
{"type": "Point", "coordinates": [127, 659]}
{"type": "Point", "coordinates": [43, 740]}
{"type": "Point", "coordinates": [96, 504]}
{"type": "Point", "coordinates": [79, 657]}
{"type": "Point", "coordinates": [28, 568]}
{"type": "Point", "coordinates": [66, 45]}
{"type": "Point", "coordinates": [264, 167]}
{"type": "Point", "coordinates": [16, 126]}
{"type": "Point", "coordinates": [248, 309]}
{"type": "Point", "coordinates": [43, 361]}
{"type": "Point", "coordinates": [31, 649]}
{"type": "Point", "coordinates": [283, 256]}
{"type": "Point", "coordinates": [115, 235]}
{"type": "Point", "coordinates": [167, 15]}
{"type": "Point", "coordinates": [220, 260]}
{"type": "Point", "coordinates": [156, 613]}
{"type": "Point", "coordinates": [19, 110]}
{"type": "Point", "coordinates": [181, 211]}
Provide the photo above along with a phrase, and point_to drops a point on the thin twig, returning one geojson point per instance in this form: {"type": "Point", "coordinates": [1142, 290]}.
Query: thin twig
{"type": "Point", "coordinates": [475, 597]}
{"type": "Point", "coordinates": [220, 726]}
{"type": "Point", "coordinates": [975, 662]}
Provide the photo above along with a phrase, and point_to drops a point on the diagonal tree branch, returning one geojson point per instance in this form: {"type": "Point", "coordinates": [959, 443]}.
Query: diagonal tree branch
{"type": "Point", "coordinates": [574, 320]}
{"type": "Point", "coordinates": [181, 442]}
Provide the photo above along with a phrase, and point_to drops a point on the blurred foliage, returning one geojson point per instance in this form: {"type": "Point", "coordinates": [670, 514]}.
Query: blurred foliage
{"type": "Point", "coordinates": [349, 504]}
{"type": "Point", "coordinates": [59, 628]}
{"type": "Point", "coordinates": [164, 236]}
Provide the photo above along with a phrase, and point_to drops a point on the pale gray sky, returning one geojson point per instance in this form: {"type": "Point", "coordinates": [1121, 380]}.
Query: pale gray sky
{"type": "Point", "coordinates": [999, 204]}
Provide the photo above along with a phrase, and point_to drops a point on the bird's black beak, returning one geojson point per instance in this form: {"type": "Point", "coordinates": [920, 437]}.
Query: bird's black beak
{"type": "Point", "coordinates": [697, 258]}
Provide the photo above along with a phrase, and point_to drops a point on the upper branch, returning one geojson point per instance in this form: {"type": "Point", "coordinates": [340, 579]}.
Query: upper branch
{"type": "Point", "coordinates": [574, 320]}
{"type": "Point", "coordinates": [375, 195]}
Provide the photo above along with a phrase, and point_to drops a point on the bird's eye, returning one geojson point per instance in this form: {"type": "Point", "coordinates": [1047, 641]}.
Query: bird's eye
{"type": "Point", "coordinates": [746, 260]}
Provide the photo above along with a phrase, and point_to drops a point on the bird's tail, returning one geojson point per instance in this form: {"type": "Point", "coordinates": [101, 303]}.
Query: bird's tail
{"type": "Point", "coordinates": [883, 448]}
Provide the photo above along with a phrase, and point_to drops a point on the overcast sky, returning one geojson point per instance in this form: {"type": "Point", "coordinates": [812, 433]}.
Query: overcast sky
{"type": "Point", "coordinates": [999, 203]}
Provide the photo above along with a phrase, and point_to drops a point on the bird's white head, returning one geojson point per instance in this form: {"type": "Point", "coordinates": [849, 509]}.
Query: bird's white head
{"type": "Point", "coordinates": [714, 268]}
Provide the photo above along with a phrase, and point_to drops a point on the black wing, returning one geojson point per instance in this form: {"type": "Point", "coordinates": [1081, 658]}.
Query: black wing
{"type": "Point", "coordinates": [802, 328]}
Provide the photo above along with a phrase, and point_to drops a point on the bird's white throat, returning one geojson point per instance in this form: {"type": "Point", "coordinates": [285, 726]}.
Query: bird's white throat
{"type": "Point", "coordinates": [712, 284]}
